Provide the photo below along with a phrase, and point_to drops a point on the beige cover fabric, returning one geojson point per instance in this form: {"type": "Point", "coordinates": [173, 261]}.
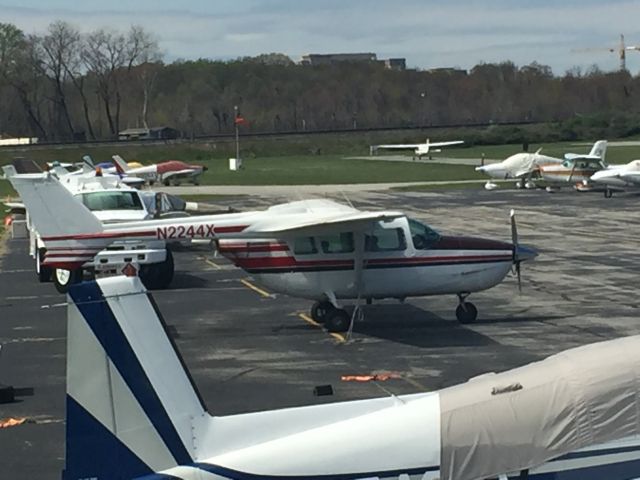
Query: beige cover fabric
{"type": "Point", "coordinates": [581, 397]}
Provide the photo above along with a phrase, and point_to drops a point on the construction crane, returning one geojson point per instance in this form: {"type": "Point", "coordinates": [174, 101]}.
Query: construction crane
{"type": "Point", "coordinates": [621, 50]}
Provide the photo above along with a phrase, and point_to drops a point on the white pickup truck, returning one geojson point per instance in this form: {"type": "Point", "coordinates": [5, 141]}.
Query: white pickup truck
{"type": "Point", "coordinates": [112, 201]}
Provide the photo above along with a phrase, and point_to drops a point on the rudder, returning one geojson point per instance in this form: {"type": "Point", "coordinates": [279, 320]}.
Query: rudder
{"type": "Point", "coordinates": [131, 405]}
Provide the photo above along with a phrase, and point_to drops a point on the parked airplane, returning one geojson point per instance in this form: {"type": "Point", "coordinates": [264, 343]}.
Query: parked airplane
{"type": "Point", "coordinates": [172, 171]}
{"type": "Point", "coordinates": [617, 177]}
{"type": "Point", "coordinates": [573, 171]}
{"type": "Point", "coordinates": [133, 411]}
{"type": "Point", "coordinates": [526, 167]}
{"type": "Point", "coordinates": [419, 149]}
{"type": "Point", "coordinates": [315, 249]}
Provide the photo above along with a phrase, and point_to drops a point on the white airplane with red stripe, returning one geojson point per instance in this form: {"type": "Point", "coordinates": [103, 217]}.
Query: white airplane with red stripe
{"type": "Point", "coordinates": [315, 249]}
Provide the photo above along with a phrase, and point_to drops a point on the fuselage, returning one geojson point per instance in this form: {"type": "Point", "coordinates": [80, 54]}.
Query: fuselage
{"type": "Point", "coordinates": [397, 262]}
{"type": "Point", "coordinates": [570, 171]}
{"type": "Point", "coordinates": [517, 166]}
{"type": "Point", "coordinates": [619, 176]}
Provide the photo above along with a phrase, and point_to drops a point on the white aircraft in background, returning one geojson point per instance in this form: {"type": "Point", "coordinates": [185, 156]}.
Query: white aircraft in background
{"type": "Point", "coordinates": [315, 249]}
{"type": "Point", "coordinates": [419, 149]}
{"type": "Point", "coordinates": [617, 177]}
{"type": "Point", "coordinates": [134, 412]}
{"type": "Point", "coordinates": [526, 166]}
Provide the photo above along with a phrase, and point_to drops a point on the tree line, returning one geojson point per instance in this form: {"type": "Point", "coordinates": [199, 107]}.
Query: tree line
{"type": "Point", "coordinates": [65, 85]}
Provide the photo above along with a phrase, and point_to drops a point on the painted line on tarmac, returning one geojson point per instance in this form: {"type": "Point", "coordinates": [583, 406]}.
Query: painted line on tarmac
{"type": "Point", "coordinates": [311, 321]}
{"type": "Point", "coordinates": [212, 264]}
{"type": "Point", "coordinates": [258, 290]}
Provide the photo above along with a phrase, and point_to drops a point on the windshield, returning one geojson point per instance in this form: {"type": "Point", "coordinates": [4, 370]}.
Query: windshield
{"type": "Point", "coordinates": [422, 236]}
{"type": "Point", "coordinates": [96, 201]}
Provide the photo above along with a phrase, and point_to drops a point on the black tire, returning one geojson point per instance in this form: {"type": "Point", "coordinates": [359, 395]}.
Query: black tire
{"type": "Point", "coordinates": [608, 193]}
{"type": "Point", "coordinates": [319, 310]}
{"type": "Point", "coordinates": [337, 321]}
{"type": "Point", "coordinates": [158, 275]}
{"type": "Point", "coordinates": [466, 313]}
{"type": "Point", "coordinates": [43, 273]}
{"type": "Point", "coordinates": [63, 279]}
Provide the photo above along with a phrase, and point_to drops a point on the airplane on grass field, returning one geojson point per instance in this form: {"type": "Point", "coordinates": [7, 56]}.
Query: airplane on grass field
{"type": "Point", "coordinates": [419, 149]}
{"type": "Point", "coordinates": [315, 249]}
{"type": "Point", "coordinates": [134, 412]}
{"type": "Point", "coordinates": [527, 168]}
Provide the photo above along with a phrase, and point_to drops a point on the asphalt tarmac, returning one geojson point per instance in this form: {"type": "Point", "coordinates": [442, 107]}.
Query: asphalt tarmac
{"type": "Point", "coordinates": [249, 350]}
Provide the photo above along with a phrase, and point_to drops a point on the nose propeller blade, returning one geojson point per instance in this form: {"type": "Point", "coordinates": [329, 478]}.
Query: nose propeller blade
{"type": "Point", "coordinates": [514, 240]}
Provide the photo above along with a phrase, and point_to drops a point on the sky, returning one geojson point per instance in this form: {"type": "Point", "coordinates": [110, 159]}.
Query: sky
{"type": "Point", "coordinates": [428, 33]}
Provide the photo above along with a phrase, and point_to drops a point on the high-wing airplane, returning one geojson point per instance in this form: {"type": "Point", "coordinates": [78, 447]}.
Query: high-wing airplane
{"type": "Point", "coordinates": [169, 172]}
{"type": "Point", "coordinates": [527, 167]}
{"type": "Point", "coordinates": [315, 249]}
{"type": "Point", "coordinates": [617, 177]}
{"type": "Point", "coordinates": [134, 412]}
{"type": "Point", "coordinates": [419, 149]}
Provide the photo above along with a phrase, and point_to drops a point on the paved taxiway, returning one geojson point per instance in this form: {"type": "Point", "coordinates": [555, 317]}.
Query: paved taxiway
{"type": "Point", "coordinates": [250, 352]}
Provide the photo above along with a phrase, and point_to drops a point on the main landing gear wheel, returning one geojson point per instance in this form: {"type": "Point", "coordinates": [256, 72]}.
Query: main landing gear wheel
{"type": "Point", "coordinates": [320, 310]}
{"type": "Point", "coordinates": [466, 312]}
{"type": "Point", "coordinates": [337, 320]}
{"type": "Point", "coordinates": [158, 276]}
{"type": "Point", "coordinates": [608, 193]}
{"type": "Point", "coordinates": [63, 279]}
{"type": "Point", "coordinates": [43, 273]}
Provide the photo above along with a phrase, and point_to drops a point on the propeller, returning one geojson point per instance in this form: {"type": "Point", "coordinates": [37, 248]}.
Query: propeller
{"type": "Point", "coordinates": [514, 240]}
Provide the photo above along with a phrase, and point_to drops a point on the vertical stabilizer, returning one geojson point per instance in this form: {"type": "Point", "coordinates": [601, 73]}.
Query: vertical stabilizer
{"type": "Point", "coordinates": [121, 166]}
{"type": "Point", "coordinates": [599, 149]}
{"type": "Point", "coordinates": [131, 405]}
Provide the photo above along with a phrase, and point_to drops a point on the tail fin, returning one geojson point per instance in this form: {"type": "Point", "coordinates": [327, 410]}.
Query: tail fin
{"type": "Point", "coordinates": [599, 149]}
{"type": "Point", "coordinates": [121, 166]}
{"type": "Point", "coordinates": [71, 233]}
{"type": "Point", "coordinates": [132, 407]}
{"type": "Point", "coordinates": [87, 164]}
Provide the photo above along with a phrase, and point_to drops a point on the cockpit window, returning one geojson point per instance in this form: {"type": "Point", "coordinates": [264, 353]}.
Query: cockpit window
{"type": "Point", "coordinates": [422, 236]}
{"type": "Point", "coordinates": [385, 240]}
{"type": "Point", "coordinates": [341, 243]}
{"type": "Point", "coordinates": [305, 246]}
{"type": "Point", "coordinates": [97, 201]}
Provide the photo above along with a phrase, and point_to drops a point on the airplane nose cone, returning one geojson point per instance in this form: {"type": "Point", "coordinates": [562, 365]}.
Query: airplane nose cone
{"type": "Point", "coordinates": [526, 253]}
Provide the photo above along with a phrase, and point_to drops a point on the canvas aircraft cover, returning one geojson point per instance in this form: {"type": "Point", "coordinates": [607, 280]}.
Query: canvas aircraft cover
{"type": "Point", "coordinates": [522, 418]}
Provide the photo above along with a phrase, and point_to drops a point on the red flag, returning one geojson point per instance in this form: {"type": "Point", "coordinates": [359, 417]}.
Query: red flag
{"type": "Point", "coordinates": [239, 120]}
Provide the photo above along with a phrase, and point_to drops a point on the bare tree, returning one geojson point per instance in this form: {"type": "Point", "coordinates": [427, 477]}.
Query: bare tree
{"type": "Point", "coordinates": [19, 68]}
{"type": "Point", "coordinates": [59, 52]}
{"type": "Point", "coordinates": [110, 56]}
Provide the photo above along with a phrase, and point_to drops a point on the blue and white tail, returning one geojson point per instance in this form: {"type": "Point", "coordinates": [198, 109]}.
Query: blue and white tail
{"type": "Point", "coordinates": [132, 408]}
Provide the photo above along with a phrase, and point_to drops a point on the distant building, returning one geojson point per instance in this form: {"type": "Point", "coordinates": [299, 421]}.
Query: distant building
{"type": "Point", "coordinates": [395, 63]}
{"type": "Point", "coordinates": [153, 133]}
{"type": "Point", "coordinates": [448, 71]}
{"type": "Point", "coordinates": [17, 141]}
{"type": "Point", "coordinates": [315, 59]}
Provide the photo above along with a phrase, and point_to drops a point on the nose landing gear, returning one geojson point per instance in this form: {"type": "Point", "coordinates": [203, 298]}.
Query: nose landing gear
{"type": "Point", "coordinates": [466, 312]}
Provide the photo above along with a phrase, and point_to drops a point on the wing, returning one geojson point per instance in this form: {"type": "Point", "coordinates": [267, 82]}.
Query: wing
{"type": "Point", "coordinates": [187, 172]}
{"type": "Point", "coordinates": [631, 177]}
{"type": "Point", "coordinates": [306, 224]}
{"type": "Point", "coordinates": [445, 144]}
{"type": "Point", "coordinates": [400, 146]}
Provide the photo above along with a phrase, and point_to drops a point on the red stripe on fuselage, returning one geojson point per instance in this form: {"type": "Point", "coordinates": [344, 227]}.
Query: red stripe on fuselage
{"type": "Point", "coordinates": [291, 262]}
{"type": "Point", "coordinates": [101, 235]}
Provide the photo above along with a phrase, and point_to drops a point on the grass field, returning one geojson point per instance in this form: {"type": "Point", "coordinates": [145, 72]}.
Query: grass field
{"type": "Point", "coordinates": [303, 169]}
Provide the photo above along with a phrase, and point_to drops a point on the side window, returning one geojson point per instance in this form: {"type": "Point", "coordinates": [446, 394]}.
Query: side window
{"type": "Point", "coordinates": [422, 236]}
{"type": "Point", "coordinates": [305, 246]}
{"type": "Point", "coordinates": [341, 243]}
{"type": "Point", "coordinates": [385, 240]}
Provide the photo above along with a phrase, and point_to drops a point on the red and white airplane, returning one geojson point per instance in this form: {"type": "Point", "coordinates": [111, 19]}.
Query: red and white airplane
{"type": "Point", "coordinates": [315, 249]}
{"type": "Point", "coordinates": [172, 171]}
